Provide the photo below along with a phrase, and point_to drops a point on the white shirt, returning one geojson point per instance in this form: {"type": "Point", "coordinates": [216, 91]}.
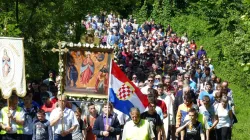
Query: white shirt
{"type": "Point", "coordinates": [136, 82]}
{"type": "Point", "coordinates": [135, 26]}
{"type": "Point", "coordinates": [122, 118]}
{"type": "Point", "coordinates": [69, 119]}
{"type": "Point", "coordinates": [223, 115]}
{"type": "Point", "coordinates": [144, 90]}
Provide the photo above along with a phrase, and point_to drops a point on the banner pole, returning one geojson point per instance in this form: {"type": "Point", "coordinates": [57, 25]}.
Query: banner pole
{"type": "Point", "coordinates": [8, 103]}
{"type": "Point", "coordinates": [110, 69]}
{"type": "Point", "coordinates": [61, 50]}
{"type": "Point", "coordinates": [61, 75]}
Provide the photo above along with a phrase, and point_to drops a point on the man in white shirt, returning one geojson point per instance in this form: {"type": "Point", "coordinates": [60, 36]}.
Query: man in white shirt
{"type": "Point", "coordinates": [63, 120]}
{"type": "Point", "coordinates": [150, 84]}
{"type": "Point", "coordinates": [135, 25]}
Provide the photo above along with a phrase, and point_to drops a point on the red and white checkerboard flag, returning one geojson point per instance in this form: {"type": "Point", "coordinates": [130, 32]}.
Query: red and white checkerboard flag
{"type": "Point", "coordinates": [123, 93]}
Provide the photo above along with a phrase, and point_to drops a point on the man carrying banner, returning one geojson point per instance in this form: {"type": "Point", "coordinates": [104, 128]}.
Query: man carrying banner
{"type": "Point", "coordinates": [63, 120]}
{"type": "Point", "coordinates": [12, 120]}
{"type": "Point", "coordinates": [107, 126]}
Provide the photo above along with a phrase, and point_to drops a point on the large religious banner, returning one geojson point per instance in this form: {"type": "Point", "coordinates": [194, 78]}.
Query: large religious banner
{"type": "Point", "coordinates": [12, 67]}
{"type": "Point", "coordinates": [87, 72]}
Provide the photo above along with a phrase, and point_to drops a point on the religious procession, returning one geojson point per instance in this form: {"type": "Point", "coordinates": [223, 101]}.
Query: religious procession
{"type": "Point", "coordinates": [146, 83]}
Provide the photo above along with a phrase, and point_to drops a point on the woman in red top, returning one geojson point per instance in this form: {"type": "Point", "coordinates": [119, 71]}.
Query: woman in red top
{"type": "Point", "coordinates": [47, 106]}
{"type": "Point", "coordinates": [193, 46]}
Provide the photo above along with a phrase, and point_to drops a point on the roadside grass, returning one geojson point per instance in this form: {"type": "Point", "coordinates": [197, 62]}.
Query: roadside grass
{"type": "Point", "coordinates": [241, 130]}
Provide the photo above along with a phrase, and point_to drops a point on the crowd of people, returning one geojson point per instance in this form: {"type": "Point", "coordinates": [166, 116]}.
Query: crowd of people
{"type": "Point", "coordinates": [174, 73]}
{"type": "Point", "coordinates": [186, 100]}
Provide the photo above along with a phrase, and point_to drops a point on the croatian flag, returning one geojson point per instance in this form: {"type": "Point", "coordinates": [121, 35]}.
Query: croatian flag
{"type": "Point", "coordinates": [123, 93]}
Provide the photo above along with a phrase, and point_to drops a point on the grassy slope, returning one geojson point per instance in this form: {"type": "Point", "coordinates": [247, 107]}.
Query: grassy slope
{"type": "Point", "coordinates": [224, 70]}
{"type": "Point", "coordinates": [241, 130]}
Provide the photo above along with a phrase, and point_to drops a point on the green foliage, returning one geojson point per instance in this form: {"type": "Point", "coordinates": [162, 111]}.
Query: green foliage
{"type": "Point", "coordinates": [9, 26]}
{"type": "Point", "coordinates": [155, 14]}
{"type": "Point", "coordinates": [43, 23]}
{"type": "Point", "coordinates": [225, 34]}
{"type": "Point", "coordinates": [193, 26]}
{"type": "Point", "coordinates": [142, 14]}
{"type": "Point", "coordinates": [166, 12]}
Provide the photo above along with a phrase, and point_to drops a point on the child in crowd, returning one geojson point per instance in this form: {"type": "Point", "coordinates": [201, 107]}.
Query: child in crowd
{"type": "Point", "coordinates": [41, 128]}
{"type": "Point", "coordinates": [80, 131]}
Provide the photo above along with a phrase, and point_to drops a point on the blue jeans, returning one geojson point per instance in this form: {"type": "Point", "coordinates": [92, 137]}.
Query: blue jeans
{"type": "Point", "coordinates": [59, 137]}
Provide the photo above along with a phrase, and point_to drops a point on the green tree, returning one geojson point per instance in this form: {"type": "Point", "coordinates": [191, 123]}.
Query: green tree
{"type": "Point", "coordinates": [44, 23]}
{"type": "Point", "coordinates": [142, 14]}
{"type": "Point", "coordinates": [166, 12]}
{"type": "Point", "coordinates": [9, 26]}
{"type": "Point", "coordinates": [155, 14]}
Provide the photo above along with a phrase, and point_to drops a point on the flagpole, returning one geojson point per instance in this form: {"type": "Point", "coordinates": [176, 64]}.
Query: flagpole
{"type": "Point", "coordinates": [110, 68]}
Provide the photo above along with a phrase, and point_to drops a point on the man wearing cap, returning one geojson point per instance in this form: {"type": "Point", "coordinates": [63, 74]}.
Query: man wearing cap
{"type": "Point", "coordinates": [12, 120]}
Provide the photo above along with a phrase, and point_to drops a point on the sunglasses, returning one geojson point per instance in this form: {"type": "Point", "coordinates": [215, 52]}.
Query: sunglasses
{"type": "Point", "coordinates": [150, 80]}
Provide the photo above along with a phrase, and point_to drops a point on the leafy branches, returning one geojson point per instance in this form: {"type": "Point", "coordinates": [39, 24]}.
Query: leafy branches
{"type": "Point", "coordinates": [142, 13]}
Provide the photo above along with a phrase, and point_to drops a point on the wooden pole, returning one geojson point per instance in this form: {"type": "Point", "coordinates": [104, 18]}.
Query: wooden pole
{"type": "Point", "coordinates": [62, 116]}
{"type": "Point", "coordinates": [110, 68]}
{"type": "Point", "coordinates": [61, 50]}
{"type": "Point", "coordinates": [8, 103]}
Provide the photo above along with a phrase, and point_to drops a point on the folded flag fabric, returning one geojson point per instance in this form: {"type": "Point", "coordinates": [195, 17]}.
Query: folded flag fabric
{"type": "Point", "coordinates": [123, 93]}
